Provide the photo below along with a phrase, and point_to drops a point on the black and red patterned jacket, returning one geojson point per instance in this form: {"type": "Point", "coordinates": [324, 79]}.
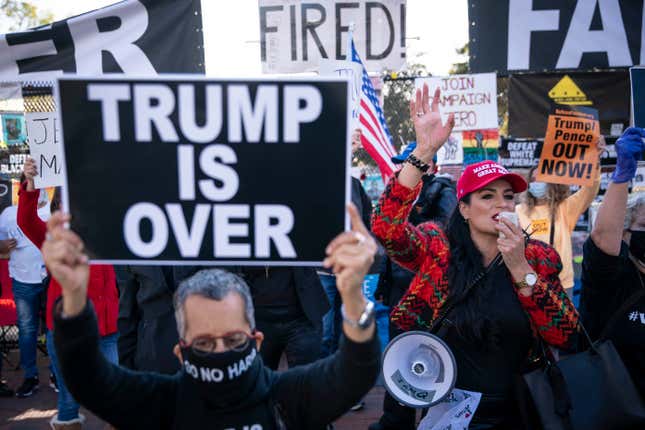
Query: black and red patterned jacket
{"type": "Point", "coordinates": [425, 251]}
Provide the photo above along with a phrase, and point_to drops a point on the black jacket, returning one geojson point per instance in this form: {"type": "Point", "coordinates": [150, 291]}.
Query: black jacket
{"type": "Point", "coordinates": [436, 202]}
{"type": "Point", "coordinates": [608, 282]}
{"type": "Point", "coordinates": [362, 202]}
{"type": "Point", "coordinates": [147, 327]}
{"type": "Point", "coordinates": [308, 397]}
{"type": "Point", "coordinates": [311, 295]}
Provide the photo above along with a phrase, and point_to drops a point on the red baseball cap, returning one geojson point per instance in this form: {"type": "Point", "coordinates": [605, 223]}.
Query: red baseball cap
{"type": "Point", "coordinates": [476, 176]}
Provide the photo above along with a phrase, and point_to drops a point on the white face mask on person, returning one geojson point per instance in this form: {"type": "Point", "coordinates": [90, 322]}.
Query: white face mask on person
{"type": "Point", "coordinates": [538, 189]}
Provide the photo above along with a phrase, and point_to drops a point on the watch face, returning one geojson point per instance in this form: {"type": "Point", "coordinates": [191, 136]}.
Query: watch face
{"type": "Point", "coordinates": [368, 315]}
{"type": "Point", "coordinates": [531, 279]}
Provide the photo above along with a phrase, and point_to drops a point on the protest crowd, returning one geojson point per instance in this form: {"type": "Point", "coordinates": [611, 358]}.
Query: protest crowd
{"type": "Point", "coordinates": [244, 268]}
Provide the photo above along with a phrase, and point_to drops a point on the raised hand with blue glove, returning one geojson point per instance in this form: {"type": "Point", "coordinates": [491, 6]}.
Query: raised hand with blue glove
{"type": "Point", "coordinates": [629, 149]}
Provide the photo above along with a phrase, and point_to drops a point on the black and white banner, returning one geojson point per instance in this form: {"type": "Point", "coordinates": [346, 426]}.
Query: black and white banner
{"type": "Point", "coordinates": [547, 35]}
{"type": "Point", "coordinates": [520, 153]}
{"type": "Point", "coordinates": [295, 35]}
{"type": "Point", "coordinates": [188, 170]}
{"type": "Point", "coordinates": [143, 37]}
{"type": "Point", "coordinates": [531, 97]}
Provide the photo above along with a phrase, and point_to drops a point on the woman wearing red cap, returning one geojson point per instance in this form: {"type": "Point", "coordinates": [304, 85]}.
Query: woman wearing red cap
{"type": "Point", "coordinates": [493, 330]}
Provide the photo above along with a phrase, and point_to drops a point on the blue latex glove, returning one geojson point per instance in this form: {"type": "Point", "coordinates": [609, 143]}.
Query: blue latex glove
{"type": "Point", "coordinates": [629, 148]}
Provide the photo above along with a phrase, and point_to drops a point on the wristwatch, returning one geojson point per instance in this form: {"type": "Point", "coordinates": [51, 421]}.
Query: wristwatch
{"type": "Point", "coordinates": [530, 279]}
{"type": "Point", "coordinates": [364, 320]}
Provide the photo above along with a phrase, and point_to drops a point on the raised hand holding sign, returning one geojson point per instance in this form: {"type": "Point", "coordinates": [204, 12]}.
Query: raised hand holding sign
{"type": "Point", "coordinates": [64, 256]}
{"type": "Point", "coordinates": [350, 256]}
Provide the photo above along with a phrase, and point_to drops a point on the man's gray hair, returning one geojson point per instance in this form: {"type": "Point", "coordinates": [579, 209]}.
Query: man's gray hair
{"type": "Point", "coordinates": [633, 203]}
{"type": "Point", "coordinates": [212, 284]}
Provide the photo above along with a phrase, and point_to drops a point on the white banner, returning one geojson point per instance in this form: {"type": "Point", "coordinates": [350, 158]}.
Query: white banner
{"type": "Point", "coordinates": [452, 151]}
{"type": "Point", "coordinates": [43, 137]}
{"type": "Point", "coordinates": [11, 97]}
{"type": "Point", "coordinates": [295, 35]}
{"type": "Point", "coordinates": [471, 98]}
{"type": "Point", "coordinates": [354, 72]}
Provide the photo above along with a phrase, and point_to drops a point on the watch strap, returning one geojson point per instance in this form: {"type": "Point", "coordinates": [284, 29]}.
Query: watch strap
{"type": "Point", "coordinates": [366, 318]}
{"type": "Point", "coordinates": [522, 282]}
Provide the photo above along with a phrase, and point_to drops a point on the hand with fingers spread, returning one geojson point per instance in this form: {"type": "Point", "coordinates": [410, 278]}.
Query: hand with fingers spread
{"type": "Point", "coordinates": [350, 256]}
{"type": "Point", "coordinates": [31, 171]}
{"type": "Point", "coordinates": [67, 263]}
{"type": "Point", "coordinates": [431, 133]}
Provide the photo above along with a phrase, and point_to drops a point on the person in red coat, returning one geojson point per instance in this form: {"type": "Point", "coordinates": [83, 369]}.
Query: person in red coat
{"type": "Point", "coordinates": [102, 292]}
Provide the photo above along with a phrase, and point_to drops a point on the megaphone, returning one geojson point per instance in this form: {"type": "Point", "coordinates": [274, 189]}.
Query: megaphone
{"type": "Point", "coordinates": [419, 369]}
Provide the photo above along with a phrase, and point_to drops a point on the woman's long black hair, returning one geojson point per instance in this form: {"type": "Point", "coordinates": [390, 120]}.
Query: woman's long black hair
{"type": "Point", "coordinates": [464, 267]}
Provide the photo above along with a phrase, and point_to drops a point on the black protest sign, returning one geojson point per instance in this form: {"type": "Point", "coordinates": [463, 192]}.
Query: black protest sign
{"type": "Point", "coordinates": [206, 171]}
{"type": "Point", "coordinates": [637, 81]}
{"type": "Point", "coordinates": [569, 154]}
{"type": "Point", "coordinates": [143, 37]}
{"type": "Point", "coordinates": [519, 153]}
{"type": "Point", "coordinates": [531, 98]}
{"type": "Point", "coordinates": [546, 35]}
{"type": "Point", "coordinates": [12, 161]}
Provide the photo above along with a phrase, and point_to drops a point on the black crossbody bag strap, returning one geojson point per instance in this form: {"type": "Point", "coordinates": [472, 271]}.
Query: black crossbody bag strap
{"type": "Point", "coordinates": [438, 327]}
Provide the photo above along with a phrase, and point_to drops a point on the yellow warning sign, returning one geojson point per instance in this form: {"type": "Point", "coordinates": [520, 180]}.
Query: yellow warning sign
{"type": "Point", "coordinates": [566, 92]}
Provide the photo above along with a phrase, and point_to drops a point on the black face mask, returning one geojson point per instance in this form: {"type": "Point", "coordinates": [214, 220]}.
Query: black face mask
{"type": "Point", "coordinates": [637, 245]}
{"type": "Point", "coordinates": [222, 378]}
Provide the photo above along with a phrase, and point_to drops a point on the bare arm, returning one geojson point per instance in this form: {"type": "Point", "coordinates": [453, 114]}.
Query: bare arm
{"type": "Point", "coordinates": [350, 255]}
{"type": "Point", "coordinates": [30, 171]}
{"type": "Point", "coordinates": [7, 245]}
{"type": "Point", "coordinates": [607, 232]}
{"type": "Point", "coordinates": [582, 199]}
{"type": "Point", "coordinates": [406, 244]}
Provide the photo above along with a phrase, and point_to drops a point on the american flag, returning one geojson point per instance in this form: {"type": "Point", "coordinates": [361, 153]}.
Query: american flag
{"type": "Point", "coordinates": [375, 136]}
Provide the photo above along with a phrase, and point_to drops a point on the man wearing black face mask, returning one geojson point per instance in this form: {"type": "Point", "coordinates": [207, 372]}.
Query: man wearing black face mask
{"type": "Point", "coordinates": [223, 383]}
{"type": "Point", "coordinates": [612, 301]}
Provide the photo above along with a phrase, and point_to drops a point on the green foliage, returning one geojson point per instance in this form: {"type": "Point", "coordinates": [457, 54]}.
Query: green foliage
{"type": "Point", "coordinates": [462, 67]}
{"type": "Point", "coordinates": [21, 15]}
{"type": "Point", "coordinates": [397, 91]}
